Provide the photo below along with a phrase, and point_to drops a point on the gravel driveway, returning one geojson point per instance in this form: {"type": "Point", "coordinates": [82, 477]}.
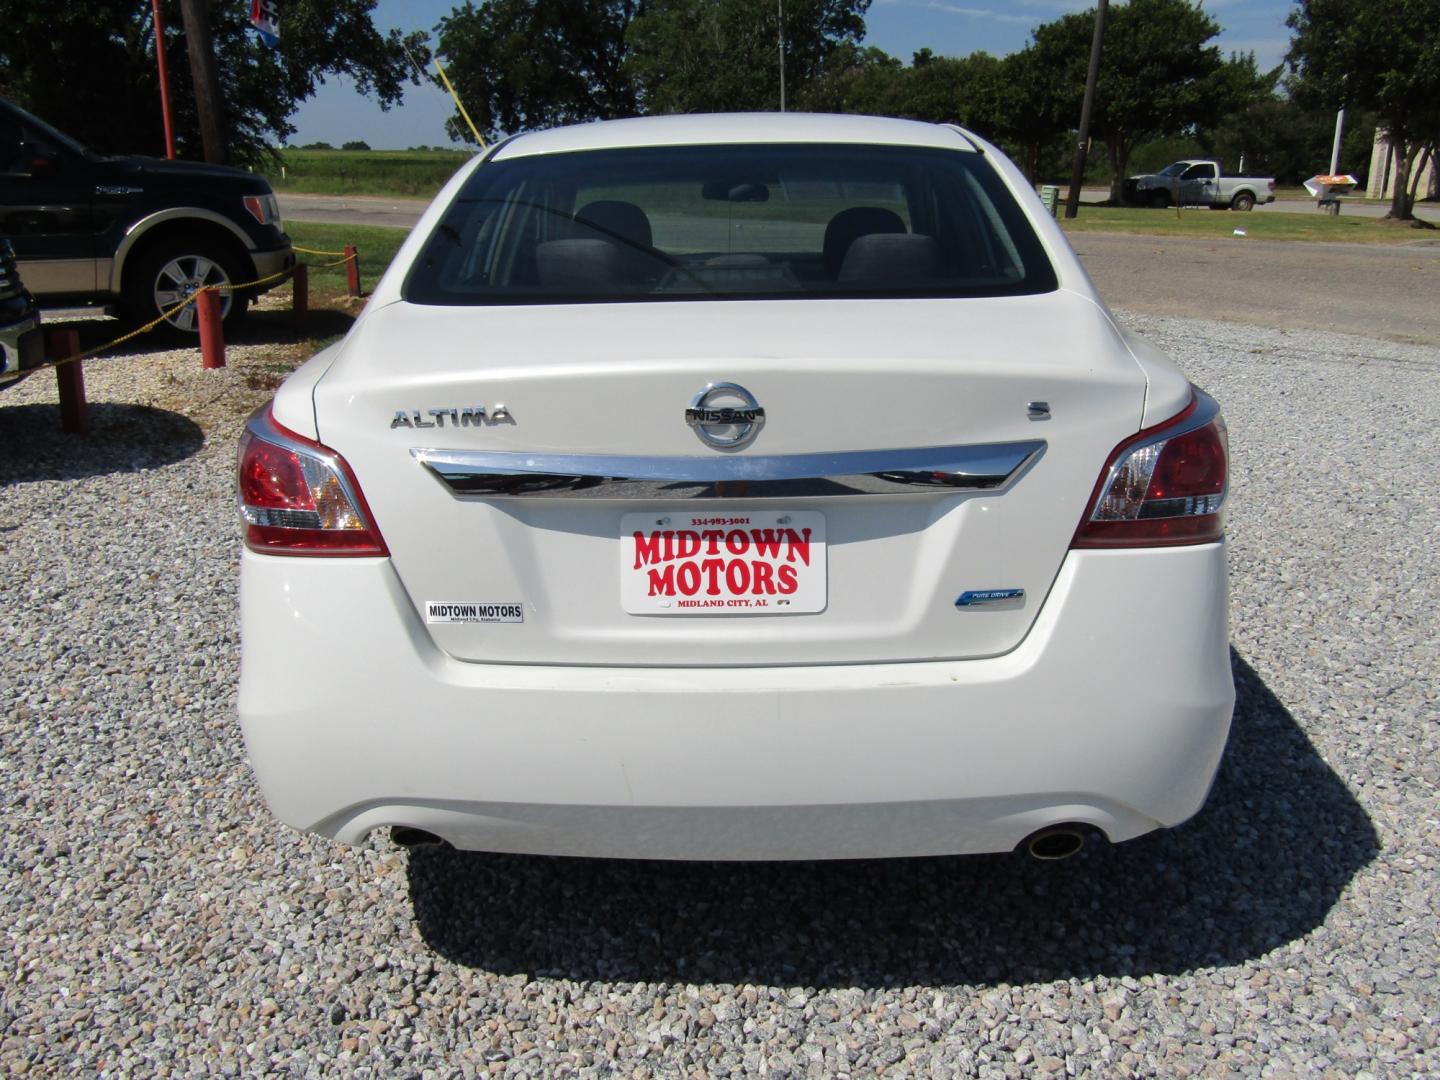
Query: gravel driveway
{"type": "Point", "coordinates": [158, 921]}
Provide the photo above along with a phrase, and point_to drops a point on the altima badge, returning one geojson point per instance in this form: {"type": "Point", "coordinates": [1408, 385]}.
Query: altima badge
{"type": "Point", "coordinates": [725, 416]}
{"type": "Point", "coordinates": [471, 417]}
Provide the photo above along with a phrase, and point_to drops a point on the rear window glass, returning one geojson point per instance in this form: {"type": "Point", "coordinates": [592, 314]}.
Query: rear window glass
{"type": "Point", "coordinates": [730, 222]}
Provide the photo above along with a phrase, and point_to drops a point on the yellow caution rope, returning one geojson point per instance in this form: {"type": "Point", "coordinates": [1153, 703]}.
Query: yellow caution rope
{"type": "Point", "coordinates": [332, 254]}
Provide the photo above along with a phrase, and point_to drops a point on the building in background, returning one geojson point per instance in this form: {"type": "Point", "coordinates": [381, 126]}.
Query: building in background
{"type": "Point", "coordinates": [1382, 172]}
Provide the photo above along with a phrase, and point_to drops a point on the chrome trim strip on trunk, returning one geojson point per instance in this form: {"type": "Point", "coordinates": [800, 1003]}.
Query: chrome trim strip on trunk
{"type": "Point", "coordinates": [935, 470]}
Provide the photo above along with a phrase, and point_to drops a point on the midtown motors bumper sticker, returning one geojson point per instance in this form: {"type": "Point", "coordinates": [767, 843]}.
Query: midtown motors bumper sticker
{"type": "Point", "coordinates": [469, 611]}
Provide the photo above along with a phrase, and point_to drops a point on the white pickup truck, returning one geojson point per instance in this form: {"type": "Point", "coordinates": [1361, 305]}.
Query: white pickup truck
{"type": "Point", "coordinates": [1199, 182]}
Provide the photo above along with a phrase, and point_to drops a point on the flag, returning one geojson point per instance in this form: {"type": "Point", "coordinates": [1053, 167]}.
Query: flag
{"type": "Point", "coordinates": [265, 17]}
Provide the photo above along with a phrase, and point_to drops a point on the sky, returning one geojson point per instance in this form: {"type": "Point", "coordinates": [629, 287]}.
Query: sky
{"type": "Point", "coordinates": [338, 113]}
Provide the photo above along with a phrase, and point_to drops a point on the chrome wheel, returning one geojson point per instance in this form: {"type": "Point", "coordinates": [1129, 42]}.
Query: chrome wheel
{"type": "Point", "coordinates": [180, 279]}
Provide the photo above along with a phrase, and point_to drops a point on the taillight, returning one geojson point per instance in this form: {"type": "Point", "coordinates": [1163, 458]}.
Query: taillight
{"type": "Point", "coordinates": [298, 497]}
{"type": "Point", "coordinates": [1163, 486]}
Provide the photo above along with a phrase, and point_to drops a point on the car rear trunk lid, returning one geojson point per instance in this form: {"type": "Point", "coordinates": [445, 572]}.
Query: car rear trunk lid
{"type": "Point", "coordinates": [524, 465]}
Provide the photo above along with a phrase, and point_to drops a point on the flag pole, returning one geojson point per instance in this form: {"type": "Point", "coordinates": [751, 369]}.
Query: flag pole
{"type": "Point", "coordinates": [164, 81]}
{"type": "Point", "coordinates": [459, 104]}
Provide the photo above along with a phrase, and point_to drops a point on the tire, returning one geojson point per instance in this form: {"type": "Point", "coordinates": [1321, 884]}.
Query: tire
{"type": "Point", "coordinates": [1160, 200]}
{"type": "Point", "coordinates": [163, 276]}
{"type": "Point", "coordinates": [1243, 201]}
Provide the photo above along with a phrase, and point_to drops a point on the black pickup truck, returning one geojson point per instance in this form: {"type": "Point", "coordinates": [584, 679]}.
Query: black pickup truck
{"type": "Point", "coordinates": [20, 346]}
{"type": "Point", "coordinates": [134, 234]}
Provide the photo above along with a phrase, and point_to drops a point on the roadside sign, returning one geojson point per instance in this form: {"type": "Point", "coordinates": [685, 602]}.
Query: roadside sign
{"type": "Point", "coordinates": [1327, 187]}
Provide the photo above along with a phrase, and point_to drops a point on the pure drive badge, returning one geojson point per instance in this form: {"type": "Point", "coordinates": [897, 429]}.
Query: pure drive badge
{"type": "Point", "coordinates": [446, 611]}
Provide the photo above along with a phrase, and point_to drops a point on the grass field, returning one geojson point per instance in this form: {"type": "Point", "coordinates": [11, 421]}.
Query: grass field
{"type": "Point", "coordinates": [376, 247]}
{"type": "Point", "coordinates": [415, 174]}
{"type": "Point", "coordinates": [1257, 226]}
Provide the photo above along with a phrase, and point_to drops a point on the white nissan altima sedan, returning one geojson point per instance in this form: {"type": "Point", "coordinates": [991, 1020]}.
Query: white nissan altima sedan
{"type": "Point", "coordinates": [736, 487]}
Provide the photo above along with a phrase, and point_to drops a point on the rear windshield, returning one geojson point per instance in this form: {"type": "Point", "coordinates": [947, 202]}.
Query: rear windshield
{"type": "Point", "coordinates": [730, 222]}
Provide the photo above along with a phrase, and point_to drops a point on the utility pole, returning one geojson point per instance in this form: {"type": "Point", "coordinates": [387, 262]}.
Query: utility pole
{"type": "Point", "coordinates": [781, 5]}
{"type": "Point", "coordinates": [1077, 175]}
{"type": "Point", "coordinates": [202, 73]}
{"type": "Point", "coordinates": [1339, 132]}
{"type": "Point", "coordinates": [1339, 128]}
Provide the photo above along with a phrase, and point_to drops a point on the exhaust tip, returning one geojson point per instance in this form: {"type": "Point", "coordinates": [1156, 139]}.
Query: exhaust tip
{"type": "Point", "coordinates": [1055, 843]}
{"type": "Point", "coordinates": [406, 837]}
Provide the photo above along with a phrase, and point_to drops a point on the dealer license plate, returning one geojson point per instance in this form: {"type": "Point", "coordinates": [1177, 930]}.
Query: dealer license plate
{"type": "Point", "coordinates": [770, 563]}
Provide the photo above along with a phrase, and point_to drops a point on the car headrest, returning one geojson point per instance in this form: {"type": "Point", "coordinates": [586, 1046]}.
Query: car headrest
{"type": "Point", "coordinates": [857, 221]}
{"type": "Point", "coordinates": [903, 257]}
{"type": "Point", "coordinates": [612, 219]}
{"type": "Point", "coordinates": [588, 266]}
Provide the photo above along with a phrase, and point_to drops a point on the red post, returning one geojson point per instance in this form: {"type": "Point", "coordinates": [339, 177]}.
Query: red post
{"type": "Point", "coordinates": [164, 81]}
{"type": "Point", "coordinates": [70, 378]}
{"type": "Point", "coordinates": [352, 269]}
{"type": "Point", "coordinates": [300, 295]}
{"type": "Point", "coordinates": [212, 338]}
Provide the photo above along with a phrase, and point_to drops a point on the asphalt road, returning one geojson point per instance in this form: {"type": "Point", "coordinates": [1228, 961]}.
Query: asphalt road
{"type": "Point", "coordinates": [1373, 290]}
{"type": "Point", "coordinates": [353, 210]}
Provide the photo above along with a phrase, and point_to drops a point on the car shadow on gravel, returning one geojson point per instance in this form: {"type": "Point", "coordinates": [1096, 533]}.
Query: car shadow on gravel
{"type": "Point", "coordinates": [123, 438]}
{"type": "Point", "coordinates": [1260, 866]}
{"type": "Point", "coordinates": [273, 327]}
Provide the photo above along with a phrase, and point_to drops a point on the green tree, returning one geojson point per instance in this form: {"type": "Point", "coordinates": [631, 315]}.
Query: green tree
{"type": "Point", "coordinates": [853, 80]}
{"type": "Point", "coordinates": [963, 90]}
{"type": "Point", "coordinates": [1383, 55]}
{"type": "Point", "coordinates": [1034, 110]}
{"type": "Point", "coordinates": [1244, 129]}
{"type": "Point", "coordinates": [521, 64]}
{"type": "Point", "coordinates": [115, 107]}
{"type": "Point", "coordinates": [1013, 102]}
{"type": "Point", "coordinates": [1157, 74]}
{"type": "Point", "coordinates": [1277, 134]}
{"type": "Point", "coordinates": [724, 55]}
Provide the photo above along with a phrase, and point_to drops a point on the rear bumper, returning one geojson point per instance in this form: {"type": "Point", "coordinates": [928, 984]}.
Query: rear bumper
{"type": "Point", "coordinates": [1113, 712]}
